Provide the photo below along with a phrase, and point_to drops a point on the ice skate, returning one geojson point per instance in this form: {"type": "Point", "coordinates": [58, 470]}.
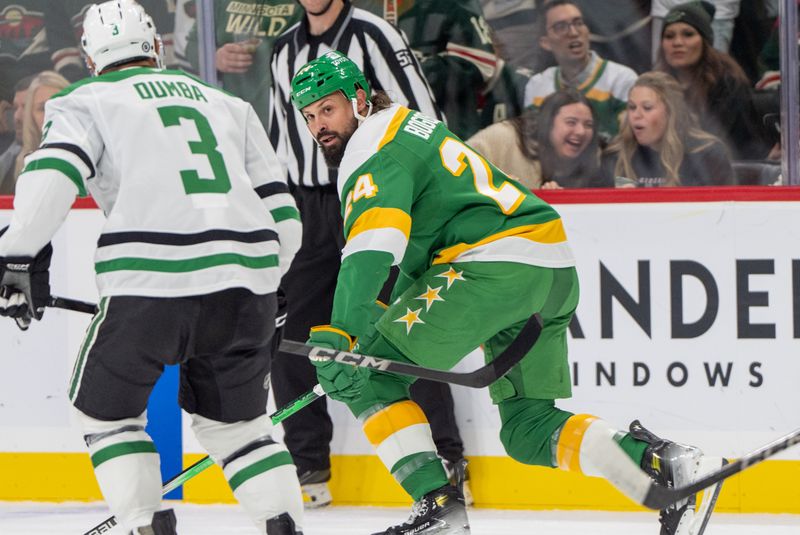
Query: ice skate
{"type": "Point", "coordinates": [676, 465]}
{"type": "Point", "coordinates": [458, 474]}
{"type": "Point", "coordinates": [282, 525]}
{"type": "Point", "coordinates": [314, 484]}
{"type": "Point", "coordinates": [164, 523]}
{"type": "Point", "coordinates": [440, 512]}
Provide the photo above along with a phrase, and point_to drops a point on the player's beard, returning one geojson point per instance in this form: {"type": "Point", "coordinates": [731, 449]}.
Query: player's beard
{"type": "Point", "coordinates": [333, 153]}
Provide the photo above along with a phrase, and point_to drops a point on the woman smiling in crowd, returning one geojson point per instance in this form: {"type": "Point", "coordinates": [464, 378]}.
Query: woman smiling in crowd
{"type": "Point", "coordinates": [552, 148]}
{"type": "Point", "coordinates": [661, 144]}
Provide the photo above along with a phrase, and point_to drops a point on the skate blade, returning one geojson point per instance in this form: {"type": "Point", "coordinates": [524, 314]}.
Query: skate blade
{"type": "Point", "coordinates": [469, 501]}
{"type": "Point", "coordinates": [708, 498]}
{"type": "Point", "coordinates": [316, 495]}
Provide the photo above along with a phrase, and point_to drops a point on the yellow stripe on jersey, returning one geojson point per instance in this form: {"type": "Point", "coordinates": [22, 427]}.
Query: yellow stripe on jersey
{"type": "Point", "coordinates": [550, 232]}
{"type": "Point", "coordinates": [388, 421]}
{"type": "Point", "coordinates": [568, 451]}
{"type": "Point", "coordinates": [399, 116]}
{"type": "Point", "coordinates": [592, 77]}
{"type": "Point", "coordinates": [598, 95]}
{"type": "Point", "coordinates": [376, 218]}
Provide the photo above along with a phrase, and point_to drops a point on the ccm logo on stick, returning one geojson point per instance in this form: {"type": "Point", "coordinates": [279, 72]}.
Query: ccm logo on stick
{"type": "Point", "coordinates": [321, 353]}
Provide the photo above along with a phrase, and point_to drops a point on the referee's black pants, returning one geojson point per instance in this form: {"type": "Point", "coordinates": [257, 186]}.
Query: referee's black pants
{"type": "Point", "coordinates": [310, 285]}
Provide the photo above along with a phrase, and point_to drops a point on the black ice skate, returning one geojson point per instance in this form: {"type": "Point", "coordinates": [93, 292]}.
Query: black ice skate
{"type": "Point", "coordinates": [282, 525]}
{"type": "Point", "coordinates": [675, 465]}
{"type": "Point", "coordinates": [314, 484]}
{"type": "Point", "coordinates": [164, 523]}
{"type": "Point", "coordinates": [440, 512]}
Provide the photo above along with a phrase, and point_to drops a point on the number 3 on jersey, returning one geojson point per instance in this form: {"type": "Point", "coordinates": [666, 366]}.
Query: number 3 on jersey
{"type": "Point", "coordinates": [454, 152]}
{"type": "Point", "coordinates": [207, 146]}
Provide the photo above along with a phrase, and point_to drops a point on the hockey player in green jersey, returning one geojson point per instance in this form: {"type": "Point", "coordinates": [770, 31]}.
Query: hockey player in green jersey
{"type": "Point", "coordinates": [478, 256]}
{"type": "Point", "coordinates": [200, 227]}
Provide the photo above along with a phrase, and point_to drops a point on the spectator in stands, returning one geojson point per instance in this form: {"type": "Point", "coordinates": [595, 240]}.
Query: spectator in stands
{"type": "Point", "coordinates": [473, 87]}
{"type": "Point", "coordinates": [246, 31]}
{"type": "Point", "coordinates": [553, 148]}
{"type": "Point", "coordinates": [35, 37]}
{"type": "Point", "coordinates": [43, 86]}
{"type": "Point", "coordinates": [563, 32]}
{"type": "Point", "coordinates": [8, 160]}
{"type": "Point", "coordinates": [661, 143]}
{"type": "Point", "coordinates": [724, 16]}
{"type": "Point", "coordinates": [513, 22]}
{"type": "Point", "coordinates": [714, 85]}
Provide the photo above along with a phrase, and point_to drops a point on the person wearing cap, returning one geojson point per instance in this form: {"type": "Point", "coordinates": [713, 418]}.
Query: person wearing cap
{"type": "Point", "coordinates": [715, 86]}
{"type": "Point", "coordinates": [722, 22]}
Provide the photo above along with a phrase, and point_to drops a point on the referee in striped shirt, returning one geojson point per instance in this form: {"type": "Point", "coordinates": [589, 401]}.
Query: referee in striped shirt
{"type": "Point", "coordinates": [383, 54]}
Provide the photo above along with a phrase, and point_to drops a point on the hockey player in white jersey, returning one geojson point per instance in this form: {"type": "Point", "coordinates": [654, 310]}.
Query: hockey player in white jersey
{"type": "Point", "coordinates": [200, 227]}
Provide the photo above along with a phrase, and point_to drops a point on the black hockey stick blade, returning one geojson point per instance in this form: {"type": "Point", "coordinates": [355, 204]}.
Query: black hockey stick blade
{"type": "Point", "coordinates": [480, 378]}
{"type": "Point", "coordinates": [71, 304]}
{"type": "Point", "coordinates": [659, 497]}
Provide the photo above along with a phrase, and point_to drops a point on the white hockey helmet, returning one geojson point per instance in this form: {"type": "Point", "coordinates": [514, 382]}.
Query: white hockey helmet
{"type": "Point", "coordinates": [119, 31]}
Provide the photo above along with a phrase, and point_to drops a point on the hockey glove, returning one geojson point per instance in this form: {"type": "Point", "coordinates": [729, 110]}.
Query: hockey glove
{"type": "Point", "coordinates": [340, 381]}
{"type": "Point", "coordinates": [25, 286]}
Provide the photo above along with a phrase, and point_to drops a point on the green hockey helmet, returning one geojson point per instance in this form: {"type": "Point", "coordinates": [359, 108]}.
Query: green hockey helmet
{"type": "Point", "coordinates": [333, 71]}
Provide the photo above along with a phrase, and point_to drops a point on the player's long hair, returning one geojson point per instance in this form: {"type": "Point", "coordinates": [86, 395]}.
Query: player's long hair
{"type": "Point", "coordinates": [31, 132]}
{"type": "Point", "coordinates": [380, 100]}
{"type": "Point", "coordinates": [682, 134]}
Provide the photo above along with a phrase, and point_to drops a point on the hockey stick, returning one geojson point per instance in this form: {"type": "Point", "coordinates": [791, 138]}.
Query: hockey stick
{"type": "Point", "coordinates": [71, 304]}
{"type": "Point", "coordinates": [480, 378]}
{"type": "Point", "coordinates": [659, 497]}
{"type": "Point", "coordinates": [175, 482]}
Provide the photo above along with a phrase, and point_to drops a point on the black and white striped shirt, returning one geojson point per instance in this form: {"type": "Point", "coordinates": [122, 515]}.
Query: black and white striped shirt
{"type": "Point", "coordinates": [377, 47]}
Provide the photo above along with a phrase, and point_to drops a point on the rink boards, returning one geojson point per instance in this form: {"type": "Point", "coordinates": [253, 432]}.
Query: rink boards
{"type": "Point", "coordinates": [689, 320]}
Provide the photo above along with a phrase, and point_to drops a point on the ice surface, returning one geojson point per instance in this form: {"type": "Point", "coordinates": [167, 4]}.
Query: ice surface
{"type": "Point", "coordinates": [24, 518]}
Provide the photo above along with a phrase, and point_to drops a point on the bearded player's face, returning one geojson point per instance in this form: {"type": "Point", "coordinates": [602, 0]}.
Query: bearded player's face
{"type": "Point", "coordinates": [331, 121]}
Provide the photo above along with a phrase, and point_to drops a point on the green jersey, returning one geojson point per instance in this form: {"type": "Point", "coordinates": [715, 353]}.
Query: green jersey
{"type": "Point", "coordinates": [240, 20]}
{"type": "Point", "coordinates": [453, 44]}
{"type": "Point", "coordinates": [414, 195]}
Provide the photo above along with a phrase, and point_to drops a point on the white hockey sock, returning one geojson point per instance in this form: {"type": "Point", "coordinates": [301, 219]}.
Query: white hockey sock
{"type": "Point", "coordinates": [586, 445]}
{"type": "Point", "coordinates": [400, 432]}
{"type": "Point", "coordinates": [127, 467]}
{"type": "Point", "coordinates": [259, 470]}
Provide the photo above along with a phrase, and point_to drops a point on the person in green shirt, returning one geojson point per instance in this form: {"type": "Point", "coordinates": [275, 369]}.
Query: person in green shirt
{"type": "Point", "coordinates": [245, 33]}
{"type": "Point", "coordinates": [478, 256]}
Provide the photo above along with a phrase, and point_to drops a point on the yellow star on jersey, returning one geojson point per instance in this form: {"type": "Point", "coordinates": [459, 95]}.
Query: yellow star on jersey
{"type": "Point", "coordinates": [452, 275]}
{"type": "Point", "coordinates": [430, 297]}
{"type": "Point", "coordinates": [411, 318]}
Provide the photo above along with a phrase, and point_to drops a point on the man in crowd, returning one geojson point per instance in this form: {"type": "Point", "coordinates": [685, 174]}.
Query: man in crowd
{"type": "Point", "coordinates": [563, 32]}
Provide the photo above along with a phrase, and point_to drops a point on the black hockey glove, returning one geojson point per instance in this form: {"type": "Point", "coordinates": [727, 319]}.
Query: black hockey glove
{"type": "Point", "coordinates": [25, 286]}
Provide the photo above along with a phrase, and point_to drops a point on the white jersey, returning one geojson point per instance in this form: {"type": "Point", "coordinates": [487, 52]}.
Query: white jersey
{"type": "Point", "coordinates": [182, 172]}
